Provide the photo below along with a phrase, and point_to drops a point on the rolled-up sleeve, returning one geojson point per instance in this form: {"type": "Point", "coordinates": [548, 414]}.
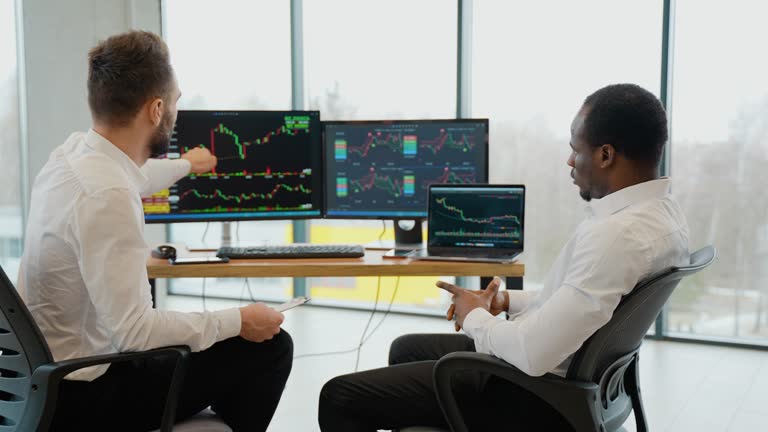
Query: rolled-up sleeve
{"type": "Point", "coordinates": [112, 257]}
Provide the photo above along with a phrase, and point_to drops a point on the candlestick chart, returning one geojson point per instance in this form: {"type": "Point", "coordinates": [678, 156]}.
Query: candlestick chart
{"type": "Point", "coordinates": [476, 218]}
{"type": "Point", "coordinates": [386, 168]}
{"type": "Point", "coordinates": [268, 163]}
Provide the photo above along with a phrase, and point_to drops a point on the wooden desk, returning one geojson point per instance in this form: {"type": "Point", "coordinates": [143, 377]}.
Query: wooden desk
{"type": "Point", "coordinates": [371, 265]}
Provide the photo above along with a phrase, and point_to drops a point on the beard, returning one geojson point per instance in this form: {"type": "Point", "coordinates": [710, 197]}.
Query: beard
{"type": "Point", "coordinates": [585, 195]}
{"type": "Point", "coordinates": [161, 138]}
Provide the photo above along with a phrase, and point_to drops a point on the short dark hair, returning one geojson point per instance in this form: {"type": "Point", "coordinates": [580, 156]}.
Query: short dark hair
{"type": "Point", "coordinates": [124, 72]}
{"type": "Point", "coordinates": [628, 117]}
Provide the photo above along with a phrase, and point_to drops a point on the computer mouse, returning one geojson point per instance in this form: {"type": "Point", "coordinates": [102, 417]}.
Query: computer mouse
{"type": "Point", "coordinates": [164, 252]}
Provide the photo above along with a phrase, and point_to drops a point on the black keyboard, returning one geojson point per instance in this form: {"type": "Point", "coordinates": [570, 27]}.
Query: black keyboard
{"type": "Point", "coordinates": [292, 251]}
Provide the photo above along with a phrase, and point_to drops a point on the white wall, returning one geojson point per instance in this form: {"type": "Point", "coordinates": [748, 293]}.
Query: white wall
{"type": "Point", "coordinates": [57, 37]}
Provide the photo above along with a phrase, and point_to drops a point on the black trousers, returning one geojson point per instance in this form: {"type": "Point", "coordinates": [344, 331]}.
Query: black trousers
{"type": "Point", "coordinates": [403, 394]}
{"type": "Point", "coordinates": [242, 381]}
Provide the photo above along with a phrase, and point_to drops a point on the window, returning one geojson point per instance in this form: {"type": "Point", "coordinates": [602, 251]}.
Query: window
{"type": "Point", "coordinates": [532, 67]}
{"type": "Point", "coordinates": [231, 55]}
{"type": "Point", "coordinates": [719, 159]}
{"type": "Point", "coordinates": [381, 60]}
{"type": "Point", "coordinates": [10, 194]}
{"type": "Point", "coordinates": [378, 60]}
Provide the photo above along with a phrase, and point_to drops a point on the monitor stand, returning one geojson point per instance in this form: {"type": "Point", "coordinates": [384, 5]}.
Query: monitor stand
{"type": "Point", "coordinates": [226, 234]}
{"type": "Point", "coordinates": [407, 236]}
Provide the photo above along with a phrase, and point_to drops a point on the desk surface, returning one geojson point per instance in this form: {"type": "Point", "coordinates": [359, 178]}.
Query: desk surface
{"type": "Point", "coordinates": [371, 265]}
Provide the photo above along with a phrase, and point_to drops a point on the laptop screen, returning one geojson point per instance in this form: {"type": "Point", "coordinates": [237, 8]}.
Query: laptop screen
{"type": "Point", "coordinates": [481, 217]}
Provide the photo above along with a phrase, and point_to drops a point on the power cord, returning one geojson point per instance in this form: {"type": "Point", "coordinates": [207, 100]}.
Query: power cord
{"type": "Point", "coordinates": [247, 284]}
{"type": "Point", "coordinates": [389, 308]}
{"type": "Point", "coordinates": [205, 233]}
{"type": "Point", "coordinates": [364, 337]}
{"type": "Point", "coordinates": [383, 230]}
{"type": "Point", "coordinates": [368, 324]}
{"type": "Point", "coordinates": [205, 308]}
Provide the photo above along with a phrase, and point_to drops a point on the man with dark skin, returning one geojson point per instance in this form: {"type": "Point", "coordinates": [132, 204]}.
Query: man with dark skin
{"type": "Point", "coordinates": [634, 228]}
{"type": "Point", "coordinates": [597, 172]}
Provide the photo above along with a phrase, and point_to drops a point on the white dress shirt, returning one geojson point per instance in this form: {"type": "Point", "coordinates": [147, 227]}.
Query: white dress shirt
{"type": "Point", "coordinates": [84, 270]}
{"type": "Point", "coordinates": [627, 236]}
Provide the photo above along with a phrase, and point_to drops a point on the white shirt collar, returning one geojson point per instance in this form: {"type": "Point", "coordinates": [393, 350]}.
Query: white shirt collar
{"type": "Point", "coordinates": [628, 196]}
{"type": "Point", "coordinates": [103, 145]}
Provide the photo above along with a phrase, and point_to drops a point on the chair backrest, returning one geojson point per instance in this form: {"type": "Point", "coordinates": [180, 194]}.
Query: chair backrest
{"type": "Point", "coordinates": [635, 314]}
{"type": "Point", "coordinates": [22, 350]}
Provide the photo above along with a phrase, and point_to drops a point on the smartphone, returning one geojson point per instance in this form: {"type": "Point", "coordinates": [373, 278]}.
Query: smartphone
{"type": "Point", "coordinates": [298, 301]}
{"type": "Point", "coordinates": [199, 260]}
{"type": "Point", "coordinates": [398, 253]}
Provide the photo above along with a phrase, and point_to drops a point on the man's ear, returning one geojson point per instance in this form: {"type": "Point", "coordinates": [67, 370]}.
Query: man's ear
{"type": "Point", "coordinates": [156, 109]}
{"type": "Point", "coordinates": [607, 155]}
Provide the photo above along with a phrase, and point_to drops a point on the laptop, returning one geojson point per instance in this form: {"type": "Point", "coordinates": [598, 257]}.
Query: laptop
{"type": "Point", "coordinates": [477, 223]}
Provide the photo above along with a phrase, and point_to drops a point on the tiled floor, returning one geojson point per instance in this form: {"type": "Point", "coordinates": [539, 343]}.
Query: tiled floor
{"type": "Point", "coordinates": [686, 387]}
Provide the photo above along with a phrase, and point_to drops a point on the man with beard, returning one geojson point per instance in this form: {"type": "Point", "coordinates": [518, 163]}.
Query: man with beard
{"type": "Point", "coordinates": [84, 275]}
{"type": "Point", "coordinates": [634, 228]}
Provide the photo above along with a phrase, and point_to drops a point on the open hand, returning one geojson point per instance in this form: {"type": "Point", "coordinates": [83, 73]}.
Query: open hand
{"type": "Point", "coordinates": [465, 301]}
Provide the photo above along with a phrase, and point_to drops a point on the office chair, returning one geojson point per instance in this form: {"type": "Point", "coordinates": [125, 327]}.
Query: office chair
{"type": "Point", "coordinates": [602, 385]}
{"type": "Point", "coordinates": [29, 378]}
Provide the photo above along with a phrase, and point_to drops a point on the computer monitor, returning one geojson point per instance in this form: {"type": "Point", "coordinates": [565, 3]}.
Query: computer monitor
{"type": "Point", "coordinates": [269, 167]}
{"type": "Point", "coordinates": [383, 169]}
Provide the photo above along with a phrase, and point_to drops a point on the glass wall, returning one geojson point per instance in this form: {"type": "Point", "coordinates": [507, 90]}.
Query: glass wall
{"type": "Point", "coordinates": [10, 194]}
{"type": "Point", "coordinates": [372, 61]}
{"type": "Point", "coordinates": [532, 67]}
{"type": "Point", "coordinates": [532, 64]}
{"type": "Point", "coordinates": [392, 59]}
{"type": "Point", "coordinates": [231, 55]}
{"type": "Point", "coordinates": [720, 166]}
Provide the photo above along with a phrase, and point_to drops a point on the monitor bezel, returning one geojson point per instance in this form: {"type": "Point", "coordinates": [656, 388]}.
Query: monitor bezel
{"type": "Point", "coordinates": [181, 219]}
{"type": "Point", "coordinates": [495, 251]}
{"type": "Point", "coordinates": [394, 122]}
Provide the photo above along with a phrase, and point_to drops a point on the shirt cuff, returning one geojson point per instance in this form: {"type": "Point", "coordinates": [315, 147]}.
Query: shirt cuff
{"type": "Point", "coordinates": [229, 323]}
{"type": "Point", "coordinates": [185, 167]}
{"type": "Point", "coordinates": [476, 320]}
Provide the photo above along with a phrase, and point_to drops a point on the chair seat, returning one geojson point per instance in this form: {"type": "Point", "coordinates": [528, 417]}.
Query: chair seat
{"type": "Point", "coordinates": [204, 421]}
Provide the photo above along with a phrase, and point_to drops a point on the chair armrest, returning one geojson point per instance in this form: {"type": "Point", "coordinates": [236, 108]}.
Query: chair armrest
{"type": "Point", "coordinates": [46, 380]}
{"type": "Point", "coordinates": [570, 398]}
{"type": "Point", "coordinates": [63, 368]}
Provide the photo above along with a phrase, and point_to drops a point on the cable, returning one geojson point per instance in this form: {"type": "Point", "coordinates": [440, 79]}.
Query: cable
{"type": "Point", "coordinates": [205, 232]}
{"type": "Point", "coordinates": [237, 232]}
{"type": "Point", "coordinates": [364, 339]}
{"type": "Point", "coordinates": [325, 353]}
{"type": "Point", "coordinates": [205, 308]}
{"type": "Point", "coordinates": [247, 284]}
{"type": "Point", "coordinates": [368, 324]}
{"type": "Point", "coordinates": [383, 230]}
{"type": "Point", "coordinates": [250, 293]}
{"type": "Point", "coordinates": [242, 292]}
{"type": "Point", "coordinates": [389, 308]}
